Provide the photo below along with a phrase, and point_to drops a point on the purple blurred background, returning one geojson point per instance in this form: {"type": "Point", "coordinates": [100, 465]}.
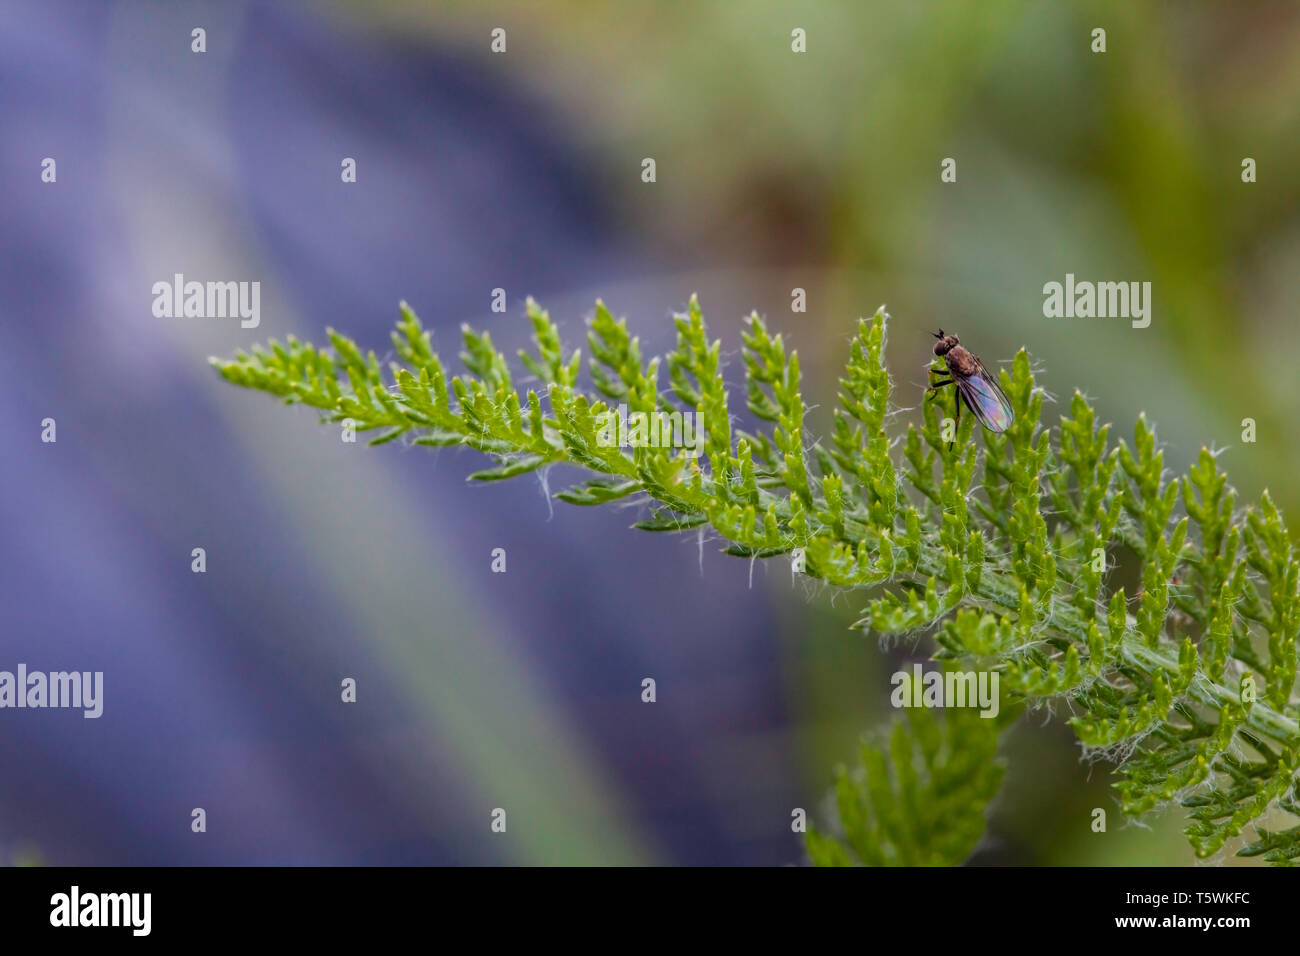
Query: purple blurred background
{"type": "Point", "coordinates": [324, 560]}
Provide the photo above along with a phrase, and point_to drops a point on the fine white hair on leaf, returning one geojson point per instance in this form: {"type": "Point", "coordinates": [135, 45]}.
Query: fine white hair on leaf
{"type": "Point", "coordinates": [544, 483]}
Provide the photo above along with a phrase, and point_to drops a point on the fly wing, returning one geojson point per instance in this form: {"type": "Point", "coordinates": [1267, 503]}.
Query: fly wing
{"type": "Point", "coordinates": [986, 399]}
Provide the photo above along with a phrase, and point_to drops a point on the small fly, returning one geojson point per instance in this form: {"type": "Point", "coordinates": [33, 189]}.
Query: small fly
{"type": "Point", "coordinates": [975, 386]}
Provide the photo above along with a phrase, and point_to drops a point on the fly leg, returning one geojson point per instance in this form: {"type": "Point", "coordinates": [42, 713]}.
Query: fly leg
{"type": "Point", "coordinates": [935, 386]}
{"type": "Point", "coordinates": [957, 420]}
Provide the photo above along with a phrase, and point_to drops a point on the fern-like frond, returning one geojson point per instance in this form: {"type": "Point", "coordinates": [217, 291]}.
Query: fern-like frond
{"type": "Point", "coordinates": [918, 797]}
{"type": "Point", "coordinates": [1001, 547]}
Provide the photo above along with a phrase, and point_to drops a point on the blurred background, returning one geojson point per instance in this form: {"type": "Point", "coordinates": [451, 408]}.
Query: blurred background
{"type": "Point", "coordinates": [775, 170]}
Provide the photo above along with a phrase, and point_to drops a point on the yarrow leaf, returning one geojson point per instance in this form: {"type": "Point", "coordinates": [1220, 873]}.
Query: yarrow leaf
{"type": "Point", "coordinates": [1002, 548]}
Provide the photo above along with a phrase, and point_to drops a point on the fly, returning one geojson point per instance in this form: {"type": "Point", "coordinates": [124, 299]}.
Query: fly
{"type": "Point", "coordinates": [975, 386]}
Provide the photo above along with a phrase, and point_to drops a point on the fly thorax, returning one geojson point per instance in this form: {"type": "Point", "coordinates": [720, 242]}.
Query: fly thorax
{"type": "Point", "coordinates": [960, 362]}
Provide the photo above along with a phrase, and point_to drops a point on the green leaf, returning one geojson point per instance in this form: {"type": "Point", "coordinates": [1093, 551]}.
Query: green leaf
{"type": "Point", "coordinates": [520, 467]}
{"type": "Point", "coordinates": [598, 492]}
{"type": "Point", "coordinates": [1003, 559]}
{"type": "Point", "coordinates": [671, 523]}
